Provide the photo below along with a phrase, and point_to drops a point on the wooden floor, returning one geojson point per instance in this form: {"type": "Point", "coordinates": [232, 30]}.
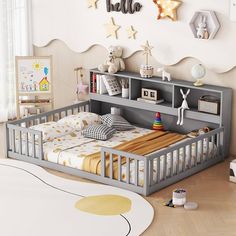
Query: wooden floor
{"type": "Point", "coordinates": [213, 192]}
{"type": "Point", "coordinates": [211, 189]}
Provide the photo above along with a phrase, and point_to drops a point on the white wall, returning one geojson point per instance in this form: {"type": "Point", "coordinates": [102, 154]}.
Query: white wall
{"type": "Point", "coordinates": [81, 27]}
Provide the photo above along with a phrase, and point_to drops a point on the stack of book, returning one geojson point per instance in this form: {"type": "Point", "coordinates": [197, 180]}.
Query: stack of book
{"type": "Point", "coordinates": [97, 84]}
{"type": "Point", "coordinates": [150, 101]}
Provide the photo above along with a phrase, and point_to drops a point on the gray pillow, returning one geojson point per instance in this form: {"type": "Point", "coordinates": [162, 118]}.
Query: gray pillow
{"type": "Point", "coordinates": [98, 132]}
{"type": "Point", "coordinates": [117, 122]}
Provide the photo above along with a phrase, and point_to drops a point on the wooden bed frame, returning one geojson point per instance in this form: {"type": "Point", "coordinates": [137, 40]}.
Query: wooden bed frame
{"type": "Point", "coordinates": [21, 127]}
{"type": "Point", "coordinates": [140, 114]}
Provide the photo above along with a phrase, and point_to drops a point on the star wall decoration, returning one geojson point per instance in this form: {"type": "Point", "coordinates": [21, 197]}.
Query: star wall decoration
{"type": "Point", "coordinates": [167, 8]}
{"type": "Point", "coordinates": [147, 51]}
{"type": "Point", "coordinates": [112, 28]}
{"type": "Point", "coordinates": [131, 32]}
{"type": "Point", "coordinates": [92, 4]}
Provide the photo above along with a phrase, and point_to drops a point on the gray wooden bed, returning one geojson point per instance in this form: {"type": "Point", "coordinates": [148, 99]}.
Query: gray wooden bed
{"type": "Point", "coordinates": [141, 115]}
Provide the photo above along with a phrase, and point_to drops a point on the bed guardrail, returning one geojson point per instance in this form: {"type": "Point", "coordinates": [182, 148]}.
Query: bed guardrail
{"type": "Point", "coordinates": [54, 115]}
{"type": "Point", "coordinates": [166, 166]}
{"type": "Point", "coordinates": [19, 131]}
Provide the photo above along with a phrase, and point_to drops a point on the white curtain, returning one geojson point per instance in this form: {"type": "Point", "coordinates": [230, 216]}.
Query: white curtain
{"type": "Point", "coordinates": [15, 40]}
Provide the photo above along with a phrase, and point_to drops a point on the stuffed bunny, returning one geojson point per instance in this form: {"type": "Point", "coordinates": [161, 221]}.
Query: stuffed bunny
{"type": "Point", "coordinates": [202, 32]}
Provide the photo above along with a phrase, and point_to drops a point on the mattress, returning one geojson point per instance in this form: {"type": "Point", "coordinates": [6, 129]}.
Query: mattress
{"type": "Point", "coordinates": [70, 150]}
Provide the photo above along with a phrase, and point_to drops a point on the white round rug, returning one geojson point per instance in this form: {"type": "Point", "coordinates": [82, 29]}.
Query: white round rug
{"type": "Point", "coordinates": [35, 203]}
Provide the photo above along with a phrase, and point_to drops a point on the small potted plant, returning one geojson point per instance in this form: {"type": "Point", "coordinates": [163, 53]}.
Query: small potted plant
{"type": "Point", "coordinates": [146, 71]}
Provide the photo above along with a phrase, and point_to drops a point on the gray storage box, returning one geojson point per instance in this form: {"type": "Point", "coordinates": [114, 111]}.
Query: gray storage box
{"type": "Point", "coordinates": [209, 104]}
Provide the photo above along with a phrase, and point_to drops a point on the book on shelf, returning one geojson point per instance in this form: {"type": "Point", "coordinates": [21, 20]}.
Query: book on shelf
{"type": "Point", "coordinates": [94, 83]}
{"type": "Point", "coordinates": [150, 101]}
{"type": "Point", "coordinates": [97, 84]}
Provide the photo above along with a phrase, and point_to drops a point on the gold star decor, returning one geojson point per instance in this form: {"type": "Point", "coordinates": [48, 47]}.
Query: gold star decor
{"type": "Point", "coordinates": [92, 3]}
{"type": "Point", "coordinates": [112, 29]}
{"type": "Point", "coordinates": [167, 8]}
{"type": "Point", "coordinates": [147, 51]}
{"type": "Point", "coordinates": [131, 32]}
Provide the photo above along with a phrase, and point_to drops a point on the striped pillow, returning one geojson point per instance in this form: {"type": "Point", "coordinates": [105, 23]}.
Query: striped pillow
{"type": "Point", "coordinates": [98, 132]}
{"type": "Point", "coordinates": [117, 122]}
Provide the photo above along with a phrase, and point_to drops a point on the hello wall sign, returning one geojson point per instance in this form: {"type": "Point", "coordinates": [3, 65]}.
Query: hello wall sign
{"type": "Point", "coordinates": [124, 6]}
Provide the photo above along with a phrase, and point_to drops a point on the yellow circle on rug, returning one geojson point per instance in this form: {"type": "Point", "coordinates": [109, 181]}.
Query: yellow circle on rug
{"type": "Point", "coordinates": [105, 205]}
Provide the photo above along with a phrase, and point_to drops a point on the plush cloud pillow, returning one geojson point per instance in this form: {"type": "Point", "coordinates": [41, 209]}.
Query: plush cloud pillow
{"type": "Point", "coordinates": [98, 132]}
{"type": "Point", "coordinates": [81, 120]}
{"type": "Point", "coordinates": [117, 122]}
{"type": "Point", "coordinates": [52, 130]}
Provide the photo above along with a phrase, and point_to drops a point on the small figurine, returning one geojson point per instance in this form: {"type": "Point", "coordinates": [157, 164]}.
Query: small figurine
{"type": "Point", "coordinates": [146, 71]}
{"type": "Point", "coordinates": [183, 107]}
{"type": "Point", "coordinates": [202, 32]}
{"type": "Point", "coordinates": [165, 75]}
{"type": "Point", "coordinates": [157, 124]}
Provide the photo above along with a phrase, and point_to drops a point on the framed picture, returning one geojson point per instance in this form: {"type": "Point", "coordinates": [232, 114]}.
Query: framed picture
{"type": "Point", "coordinates": [34, 79]}
{"type": "Point", "coordinates": [34, 74]}
{"type": "Point", "coordinates": [150, 94]}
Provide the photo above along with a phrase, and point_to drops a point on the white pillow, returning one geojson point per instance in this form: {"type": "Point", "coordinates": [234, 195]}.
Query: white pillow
{"type": "Point", "coordinates": [81, 120]}
{"type": "Point", "coordinates": [52, 130]}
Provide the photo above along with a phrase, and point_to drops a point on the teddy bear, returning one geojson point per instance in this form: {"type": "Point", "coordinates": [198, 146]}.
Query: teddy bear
{"type": "Point", "coordinates": [114, 62]}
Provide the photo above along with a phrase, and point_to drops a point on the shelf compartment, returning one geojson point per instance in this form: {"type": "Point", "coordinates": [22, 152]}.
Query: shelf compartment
{"type": "Point", "coordinates": [165, 108]}
{"type": "Point", "coordinates": [165, 90]}
{"type": "Point", "coordinates": [193, 97]}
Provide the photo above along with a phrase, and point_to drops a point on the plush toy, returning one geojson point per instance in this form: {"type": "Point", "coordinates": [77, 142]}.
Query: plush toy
{"type": "Point", "coordinates": [115, 62]}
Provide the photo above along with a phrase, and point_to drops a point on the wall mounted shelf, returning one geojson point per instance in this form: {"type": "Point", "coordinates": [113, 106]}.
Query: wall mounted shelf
{"type": "Point", "coordinates": [212, 23]}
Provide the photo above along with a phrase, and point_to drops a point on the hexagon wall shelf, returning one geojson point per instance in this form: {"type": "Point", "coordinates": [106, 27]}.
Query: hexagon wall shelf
{"type": "Point", "coordinates": [212, 22]}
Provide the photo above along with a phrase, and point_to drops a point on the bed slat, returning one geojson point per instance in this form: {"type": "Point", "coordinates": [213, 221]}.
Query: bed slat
{"type": "Point", "coordinates": [33, 145]}
{"type": "Point", "coordinates": [165, 166]}
{"type": "Point", "coordinates": [136, 163]}
{"type": "Point", "coordinates": [27, 144]}
{"type": "Point", "coordinates": [184, 159]}
{"type": "Point", "coordinates": [119, 168]}
{"type": "Point", "coordinates": [20, 142]}
{"type": "Point", "coordinates": [127, 170]}
{"type": "Point", "coordinates": [207, 148]}
{"type": "Point", "coordinates": [177, 167]}
{"type": "Point", "coordinates": [103, 164]}
{"type": "Point", "coordinates": [171, 164]}
{"type": "Point", "coordinates": [111, 166]}
{"type": "Point", "coordinates": [151, 172]}
{"type": "Point", "coordinates": [158, 169]}
{"type": "Point", "coordinates": [195, 154]}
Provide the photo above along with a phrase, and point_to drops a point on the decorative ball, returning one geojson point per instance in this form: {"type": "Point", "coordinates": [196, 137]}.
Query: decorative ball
{"type": "Point", "coordinates": [198, 71]}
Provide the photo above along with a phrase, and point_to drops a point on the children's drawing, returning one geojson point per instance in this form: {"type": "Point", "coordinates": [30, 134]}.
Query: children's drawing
{"type": "Point", "coordinates": [34, 75]}
{"type": "Point", "coordinates": [44, 84]}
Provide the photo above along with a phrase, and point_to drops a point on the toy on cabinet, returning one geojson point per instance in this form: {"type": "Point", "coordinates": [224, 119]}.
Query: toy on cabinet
{"type": "Point", "coordinates": [157, 124]}
{"type": "Point", "coordinates": [114, 62]}
{"type": "Point", "coordinates": [183, 107]}
{"type": "Point", "coordinates": [198, 72]}
{"type": "Point", "coordinates": [165, 75]}
{"type": "Point", "coordinates": [146, 71]}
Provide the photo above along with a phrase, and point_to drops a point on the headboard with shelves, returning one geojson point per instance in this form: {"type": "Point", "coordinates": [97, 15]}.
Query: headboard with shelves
{"type": "Point", "coordinates": [142, 113]}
